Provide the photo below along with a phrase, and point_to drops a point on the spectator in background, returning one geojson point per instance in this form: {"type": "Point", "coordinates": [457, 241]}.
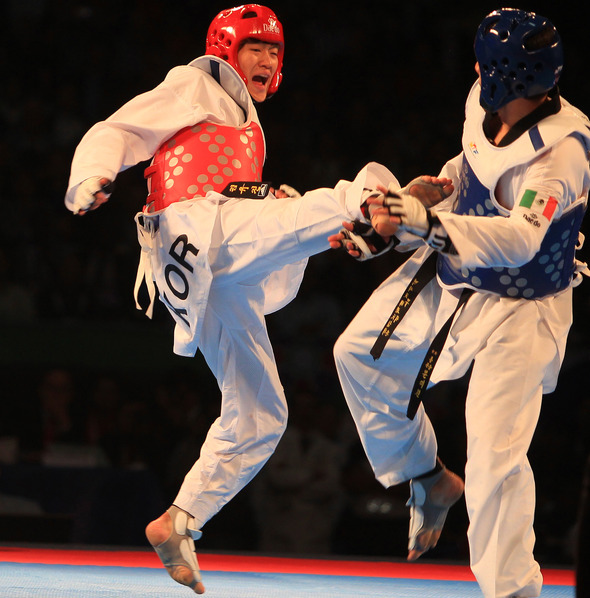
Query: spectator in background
{"type": "Point", "coordinates": [298, 496]}
{"type": "Point", "coordinates": [55, 423]}
{"type": "Point", "coordinates": [17, 302]}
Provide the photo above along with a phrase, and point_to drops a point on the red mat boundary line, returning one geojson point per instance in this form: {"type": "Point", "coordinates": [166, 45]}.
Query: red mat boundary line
{"type": "Point", "coordinates": [262, 564]}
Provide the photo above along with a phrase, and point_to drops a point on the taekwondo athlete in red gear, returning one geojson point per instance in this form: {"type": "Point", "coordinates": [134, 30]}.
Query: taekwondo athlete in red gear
{"type": "Point", "coordinates": [502, 249]}
{"type": "Point", "coordinates": [220, 249]}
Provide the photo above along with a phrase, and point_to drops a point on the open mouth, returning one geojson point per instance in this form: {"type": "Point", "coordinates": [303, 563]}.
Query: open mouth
{"type": "Point", "coordinates": [260, 79]}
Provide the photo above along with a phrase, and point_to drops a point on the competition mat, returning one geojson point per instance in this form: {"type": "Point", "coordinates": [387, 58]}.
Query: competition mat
{"type": "Point", "coordinates": [63, 573]}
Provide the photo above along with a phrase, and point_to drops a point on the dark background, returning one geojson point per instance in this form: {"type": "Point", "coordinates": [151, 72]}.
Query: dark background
{"type": "Point", "coordinates": [98, 420]}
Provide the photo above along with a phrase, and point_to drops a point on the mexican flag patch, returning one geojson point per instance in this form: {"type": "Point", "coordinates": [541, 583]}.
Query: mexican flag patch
{"type": "Point", "coordinates": [545, 206]}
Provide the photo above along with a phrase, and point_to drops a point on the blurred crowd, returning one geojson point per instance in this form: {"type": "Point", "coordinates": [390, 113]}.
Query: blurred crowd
{"type": "Point", "coordinates": [358, 86]}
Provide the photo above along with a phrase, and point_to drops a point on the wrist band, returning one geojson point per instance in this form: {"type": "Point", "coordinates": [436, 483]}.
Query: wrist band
{"type": "Point", "coordinates": [437, 236]}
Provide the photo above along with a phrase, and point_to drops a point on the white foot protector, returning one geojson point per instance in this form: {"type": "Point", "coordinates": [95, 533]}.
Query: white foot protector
{"type": "Point", "coordinates": [179, 549]}
{"type": "Point", "coordinates": [428, 512]}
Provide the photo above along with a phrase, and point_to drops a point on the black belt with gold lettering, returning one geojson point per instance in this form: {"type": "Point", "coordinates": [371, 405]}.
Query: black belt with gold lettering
{"type": "Point", "coordinates": [423, 276]}
{"type": "Point", "coordinates": [246, 190]}
{"type": "Point", "coordinates": [434, 351]}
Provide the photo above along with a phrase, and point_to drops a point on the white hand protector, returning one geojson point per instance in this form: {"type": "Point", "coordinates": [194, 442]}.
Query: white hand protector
{"type": "Point", "coordinates": [85, 194]}
{"type": "Point", "coordinates": [413, 215]}
{"type": "Point", "coordinates": [290, 191]}
{"type": "Point", "coordinates": [419, 221]}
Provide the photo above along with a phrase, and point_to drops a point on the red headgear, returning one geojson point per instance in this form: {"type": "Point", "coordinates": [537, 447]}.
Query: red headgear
{"type": "Point", "coordinates": [233, 26]}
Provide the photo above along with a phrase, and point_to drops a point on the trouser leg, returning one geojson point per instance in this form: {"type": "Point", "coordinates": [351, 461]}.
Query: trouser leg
{"type": "Point", "coordinates": [262, 236]}
{"type": "Point", "coordinates": [502, 409]}
{"type": "Point", "coordinates": [253, 414]}
{"type": "Point", "coordinates": [377, 394]}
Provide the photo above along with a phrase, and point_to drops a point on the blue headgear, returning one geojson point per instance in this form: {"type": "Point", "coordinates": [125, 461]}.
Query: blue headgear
{"type": "Point", "coordinates": [511, 64]}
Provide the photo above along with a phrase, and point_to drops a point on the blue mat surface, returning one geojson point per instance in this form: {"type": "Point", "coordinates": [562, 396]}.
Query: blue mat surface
{"type": "Point", "coordinates": [24, 580]}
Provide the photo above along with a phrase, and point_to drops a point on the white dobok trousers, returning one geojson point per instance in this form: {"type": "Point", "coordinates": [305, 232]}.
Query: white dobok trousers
{"type": "Point", "coordinates": [219, 266]}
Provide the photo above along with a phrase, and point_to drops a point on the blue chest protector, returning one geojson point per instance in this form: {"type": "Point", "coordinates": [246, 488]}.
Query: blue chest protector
{"type": "Point", "coordinates": [548, 273]}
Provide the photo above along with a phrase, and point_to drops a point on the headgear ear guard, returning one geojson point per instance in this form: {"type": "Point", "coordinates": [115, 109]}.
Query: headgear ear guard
{"type": "Point", "coordinates": [520, 55]}
{"type": "Point", "coordinates": [230, 28]}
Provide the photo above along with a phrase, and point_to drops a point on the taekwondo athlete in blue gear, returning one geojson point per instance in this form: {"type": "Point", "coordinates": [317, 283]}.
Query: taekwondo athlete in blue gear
{"type": "Point", "coordinates": [495, 271]}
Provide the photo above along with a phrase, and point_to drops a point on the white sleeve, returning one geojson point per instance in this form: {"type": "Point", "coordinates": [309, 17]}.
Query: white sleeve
{"type": "Point", "coordinates": [135, 131]}
{"type": "Point", "coordinates": [535, 194]}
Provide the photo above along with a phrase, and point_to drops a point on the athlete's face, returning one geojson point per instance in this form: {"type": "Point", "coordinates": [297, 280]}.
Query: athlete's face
{"type": "Point", "coordinates": [259, 62]}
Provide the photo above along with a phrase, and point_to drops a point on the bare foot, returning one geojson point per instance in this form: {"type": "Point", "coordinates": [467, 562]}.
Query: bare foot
{"type": "Point", "coordinates": [176, 550]}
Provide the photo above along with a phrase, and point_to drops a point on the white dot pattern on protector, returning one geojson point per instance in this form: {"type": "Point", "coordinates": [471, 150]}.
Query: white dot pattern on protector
{"type": "Point", "coordinates": [226, 155]}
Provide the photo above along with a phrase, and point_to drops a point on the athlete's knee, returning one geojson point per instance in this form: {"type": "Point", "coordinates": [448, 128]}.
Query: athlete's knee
{"type": "Point", "coordinates": [345, 348]}
{"type": "Point", "coordinates": [279, 430]}
{"type": "Point", "coordinates": [277, 423]}
{"type": "Point", "coordinates": [282, 419]}
{"type": "Point", "coordinates": [270, 422]}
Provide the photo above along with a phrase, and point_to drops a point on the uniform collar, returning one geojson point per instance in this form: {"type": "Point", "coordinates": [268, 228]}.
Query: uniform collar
{"type": "Point", "coordinates": [227, 77]}
{"type": "Point", "coordinates": [551, 106]}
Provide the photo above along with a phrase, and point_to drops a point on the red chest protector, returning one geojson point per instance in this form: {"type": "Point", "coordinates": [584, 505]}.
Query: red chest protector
{"type": "Point", "coordinates": [202, 158]}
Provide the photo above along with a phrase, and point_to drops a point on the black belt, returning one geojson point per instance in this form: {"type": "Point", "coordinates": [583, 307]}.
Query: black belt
{"type": "Point", "coordinates": [246, 190]}
{"type": "Point", "coordinates": [423, 276]}
{"type": "Point", "coordinates": [434, 351]}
